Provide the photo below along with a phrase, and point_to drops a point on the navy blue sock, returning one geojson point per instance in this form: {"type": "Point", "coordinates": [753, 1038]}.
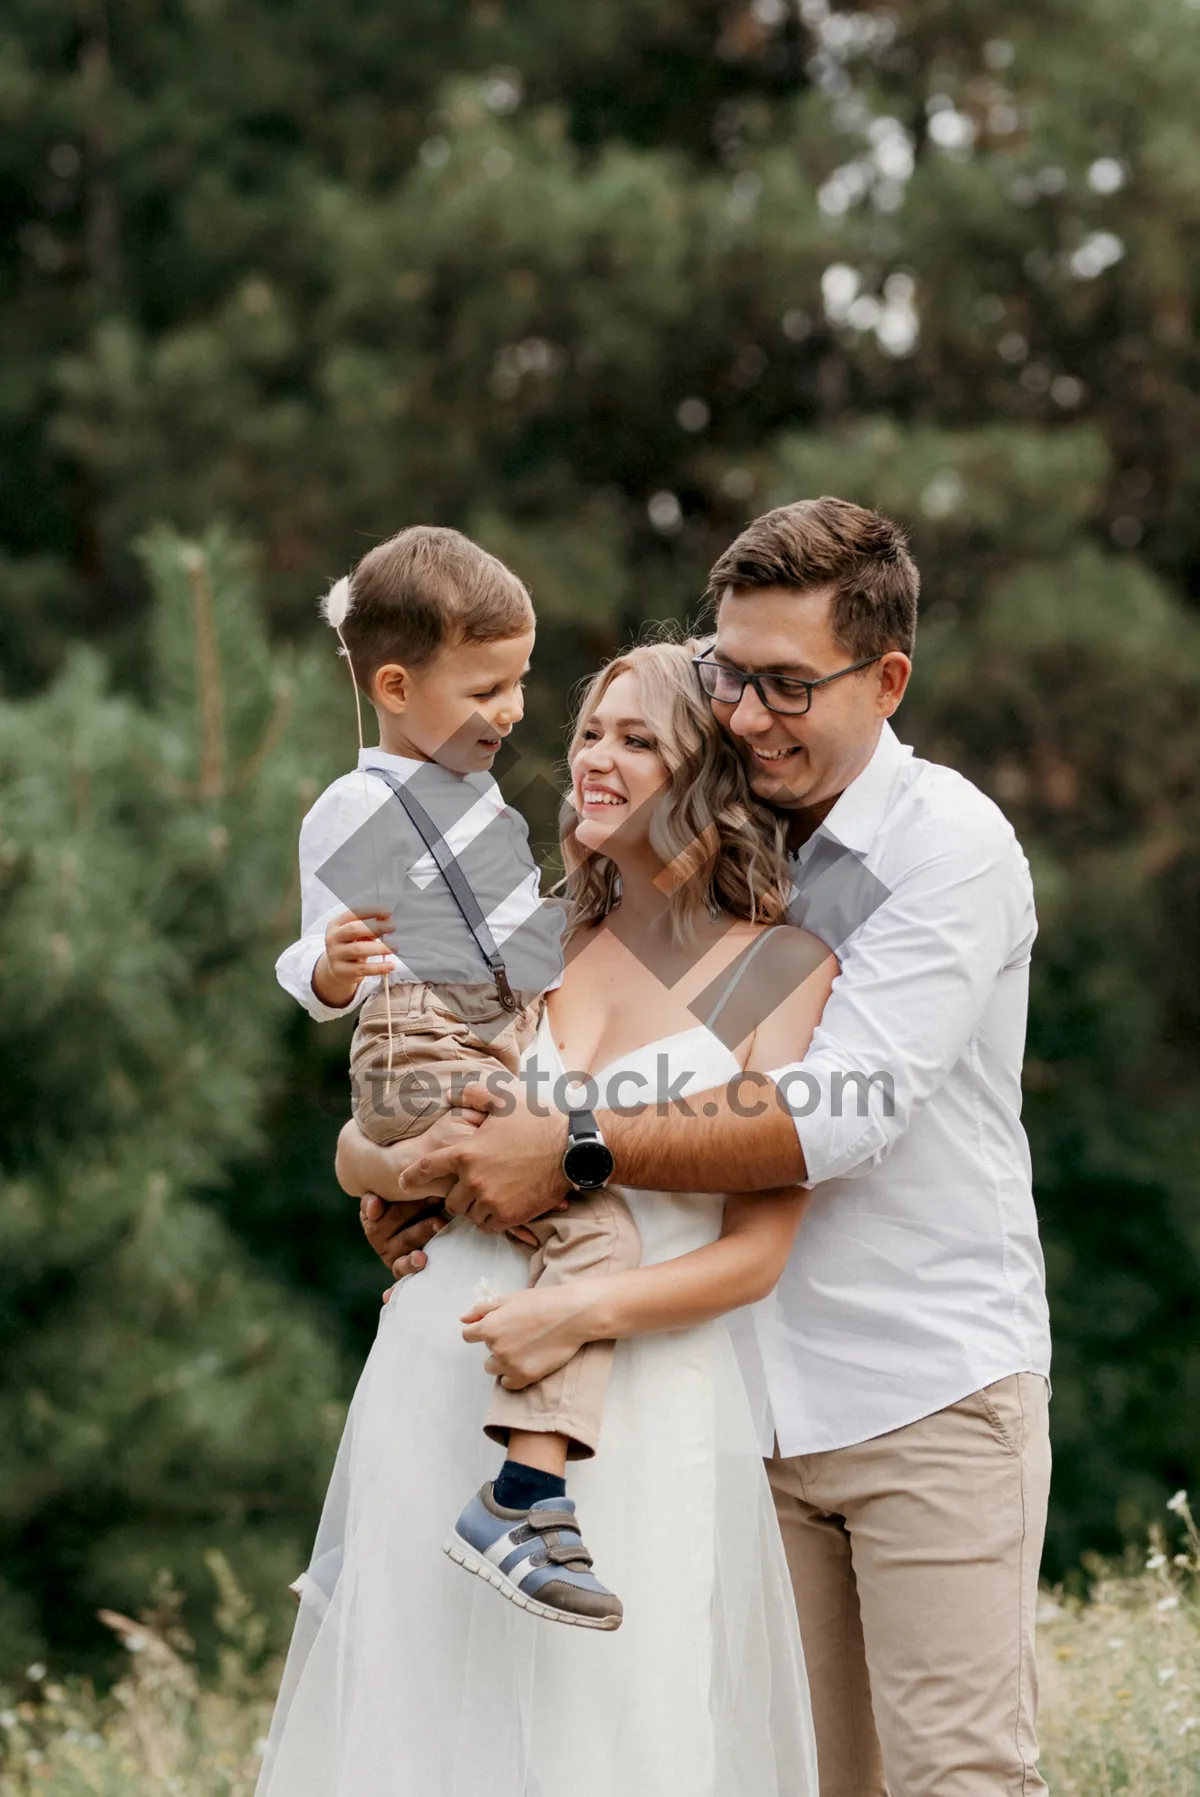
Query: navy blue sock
{"type": "Point", "coordinates": [518, 1487]}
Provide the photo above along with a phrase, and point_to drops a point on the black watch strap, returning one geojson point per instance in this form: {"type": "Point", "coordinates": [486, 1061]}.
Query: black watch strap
{"type": "Point", "coordinates": [582, 1126]}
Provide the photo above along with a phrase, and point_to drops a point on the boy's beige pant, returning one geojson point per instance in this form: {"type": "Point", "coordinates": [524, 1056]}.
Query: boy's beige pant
{"type": "Point", "coordinates": [914, 1559]}
{"type": "Point", "coordinates": [437, 1048]}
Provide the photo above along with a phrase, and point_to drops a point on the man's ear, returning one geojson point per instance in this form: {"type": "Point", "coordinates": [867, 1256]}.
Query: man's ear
{"type": "Point", "coordinates": [895, 671]}
{"type": "Point", "coordinates": [391, 688]}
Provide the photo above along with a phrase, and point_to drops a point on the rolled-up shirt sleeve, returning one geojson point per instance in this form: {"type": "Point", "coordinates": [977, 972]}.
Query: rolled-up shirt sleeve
{"type": "Point", "coordinates": [914, 982]}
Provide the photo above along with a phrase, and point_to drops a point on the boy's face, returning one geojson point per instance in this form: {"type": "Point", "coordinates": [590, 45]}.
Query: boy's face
{"type": "Point", "coordinates": [458, 708]}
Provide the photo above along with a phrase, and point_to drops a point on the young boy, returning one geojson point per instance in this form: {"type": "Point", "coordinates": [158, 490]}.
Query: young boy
{"type": "Point", "coordinates": [418, 847]}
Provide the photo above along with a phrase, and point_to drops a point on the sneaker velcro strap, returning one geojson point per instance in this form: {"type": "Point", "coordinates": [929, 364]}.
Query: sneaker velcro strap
{"type": "Point", "coordinates": [569, 1556]}
{"type": "Point", "coordinates": [543, 1521]}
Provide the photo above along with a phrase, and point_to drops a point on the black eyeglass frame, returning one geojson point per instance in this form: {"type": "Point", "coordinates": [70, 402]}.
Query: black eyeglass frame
{"type": "Point", "coordinates": [755, 680]}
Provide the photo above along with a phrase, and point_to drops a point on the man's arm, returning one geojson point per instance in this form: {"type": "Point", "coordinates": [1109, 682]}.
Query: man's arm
{"type": "Point", "coordinates": [916, 979]}
{"type": "Point", "coordinates": [918, 975]}
{"type": "Point", "coordinates": [734, 1138]}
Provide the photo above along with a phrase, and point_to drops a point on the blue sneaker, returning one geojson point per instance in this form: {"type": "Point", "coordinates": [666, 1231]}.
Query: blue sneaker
{"type": "Point", "coordinates": [535, 1558]}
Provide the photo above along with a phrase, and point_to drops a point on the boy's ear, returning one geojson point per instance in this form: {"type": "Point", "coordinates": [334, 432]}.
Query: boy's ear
{"type": "Point", "coordinates": [391, 687]}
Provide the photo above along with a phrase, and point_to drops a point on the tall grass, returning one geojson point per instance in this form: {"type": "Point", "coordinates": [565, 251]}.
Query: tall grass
{"type": "Point", "coordinates": [1121, 1676]}
{"type": "Point", "coordinates": [161, 1731]}
{"type": "Point", "coordinates": [1120, 1695]}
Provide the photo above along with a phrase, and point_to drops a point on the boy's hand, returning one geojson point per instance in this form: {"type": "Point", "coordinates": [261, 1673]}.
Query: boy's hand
{"type": "Point", "coordinates": [353, 952]}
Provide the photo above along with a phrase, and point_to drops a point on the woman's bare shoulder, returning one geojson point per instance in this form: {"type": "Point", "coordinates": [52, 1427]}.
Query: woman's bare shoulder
{"type": "Point", "coordinates": [776, 945]}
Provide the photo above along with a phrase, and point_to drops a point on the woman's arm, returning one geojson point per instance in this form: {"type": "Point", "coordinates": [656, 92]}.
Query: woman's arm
{"type": "Point", "coordinates": [361, 1166]}
{"type": "Point", "coordinates": [532, 1333]}
{"type": "Point", "coordinates": [393, 1222]}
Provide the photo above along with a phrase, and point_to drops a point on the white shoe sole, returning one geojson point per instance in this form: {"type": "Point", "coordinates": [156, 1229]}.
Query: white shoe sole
{"type": "Point", "coordinates": [464, 1555]}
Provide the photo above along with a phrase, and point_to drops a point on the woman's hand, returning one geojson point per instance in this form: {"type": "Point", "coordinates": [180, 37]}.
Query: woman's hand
{"type": "Point", "coordinates": [530, 1333]}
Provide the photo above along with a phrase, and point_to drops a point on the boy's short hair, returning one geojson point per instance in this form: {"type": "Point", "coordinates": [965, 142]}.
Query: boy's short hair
{"type": "Point", "coordinates": [424, 590]}
{"type": "Point", "coordinates": [831, 542]}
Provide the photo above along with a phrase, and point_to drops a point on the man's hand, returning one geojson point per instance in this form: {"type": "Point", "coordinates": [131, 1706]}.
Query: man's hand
{"type": "Point", "coordinates": [399, 1227]}
{"type": "Point", "coordinates": [508, 1172]}
{"type": "Point", "coordinates": [353, 952]}
{"type": "Point", "coordinates": [399, 1232]}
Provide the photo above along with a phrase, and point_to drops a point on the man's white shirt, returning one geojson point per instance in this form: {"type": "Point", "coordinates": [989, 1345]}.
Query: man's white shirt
{"type": "Point", "coordinates": [917, 1276]}
{"type": "Point", "coordinates": [336, 817]}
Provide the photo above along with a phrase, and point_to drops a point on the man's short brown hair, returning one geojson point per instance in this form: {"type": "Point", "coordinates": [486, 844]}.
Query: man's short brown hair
{"type": "Point", "coordinates": [424, 590]}
{"type": "Point", "coordinates": [831, 543]}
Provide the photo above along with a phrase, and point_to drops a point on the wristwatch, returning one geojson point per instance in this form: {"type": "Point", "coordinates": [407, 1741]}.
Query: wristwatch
{"type": "Point", "coordinates": [587, 1158]}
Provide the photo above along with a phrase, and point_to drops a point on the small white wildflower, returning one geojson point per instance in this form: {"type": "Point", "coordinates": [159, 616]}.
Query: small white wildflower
{"type": "Point", "coordinates": [1165, 1674]}
{"type": "Point", "coordinates": [137, 1643]}
{"type": "Point", "coordinates": [1178, 1503]}
{"type": "Point", "coordinates": [1181, 1560]}
{"type": "Point", "coordinates": [36, 1672]}
{"type": "Point", "coordinates": [1048, 1612]}
{"type": "Point", "coordinates": [1117, 1641]}
{"type": "Point", "coordinates": [8, 1719]}
{"type": "Point", "coordinates": [485, 1292]}
{"type": "Point", "coordinates": [1167, 1603]}
{"type": "Point", "coordinates": [1155, 1561]}
{"type": "Point", "coordinates": [1188, 1724]}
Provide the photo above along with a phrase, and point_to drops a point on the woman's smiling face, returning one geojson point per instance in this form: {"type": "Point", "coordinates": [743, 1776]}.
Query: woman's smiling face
{"type": "Point", "coordinates": [616, 771]}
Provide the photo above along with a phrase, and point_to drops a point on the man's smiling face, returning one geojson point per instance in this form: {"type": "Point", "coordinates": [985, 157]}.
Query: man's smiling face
{"type": "Point", "coordinates": [802, 763]}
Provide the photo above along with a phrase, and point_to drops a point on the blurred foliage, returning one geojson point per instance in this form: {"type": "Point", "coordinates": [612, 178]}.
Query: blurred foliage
{"type": "Point", "coordinates": [596, 283]}
{"type": "Point", "coordinates": [160, 1396]}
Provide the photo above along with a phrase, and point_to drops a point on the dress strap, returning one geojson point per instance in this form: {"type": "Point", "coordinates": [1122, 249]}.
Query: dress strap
{"type": "Point", "coordinates": [774, 965]}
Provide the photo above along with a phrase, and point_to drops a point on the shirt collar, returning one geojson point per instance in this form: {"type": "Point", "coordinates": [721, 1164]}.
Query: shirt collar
{"type": "Point", "coordinates": [861, 809]}
{"type": "Point", "coordinates": [407, 767]}
{"type": "Point", "coordinates": [404, 766]}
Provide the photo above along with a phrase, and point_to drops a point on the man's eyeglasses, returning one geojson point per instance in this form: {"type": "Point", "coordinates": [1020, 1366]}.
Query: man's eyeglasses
{"type": "Point", "coordinates": [778, 692]}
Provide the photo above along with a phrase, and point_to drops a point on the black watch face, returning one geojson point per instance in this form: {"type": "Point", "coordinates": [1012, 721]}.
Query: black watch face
{"type": "Point", "coordinates": [587, 1164]}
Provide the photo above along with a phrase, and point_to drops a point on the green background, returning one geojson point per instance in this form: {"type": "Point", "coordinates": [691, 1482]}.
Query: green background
{"type": "Point", "coordinates": [595, 283]}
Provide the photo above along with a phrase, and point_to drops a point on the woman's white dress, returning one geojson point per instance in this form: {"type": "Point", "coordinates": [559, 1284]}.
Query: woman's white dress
{"type": "Point", "coordinates": [408, 1677]}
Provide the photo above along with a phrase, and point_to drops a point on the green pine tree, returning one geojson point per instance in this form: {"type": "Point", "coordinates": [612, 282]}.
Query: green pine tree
{"type": "Point", "coordinates": [160, 1394]}
{"type": "Point", "coordinates": [598, 283]}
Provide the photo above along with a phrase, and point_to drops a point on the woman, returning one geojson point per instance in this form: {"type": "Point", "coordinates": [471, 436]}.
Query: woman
{"type": "Point", "coordinates": [406, 1676]}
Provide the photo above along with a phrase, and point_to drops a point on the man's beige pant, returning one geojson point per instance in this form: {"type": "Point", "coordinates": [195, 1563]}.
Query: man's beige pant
{"type": "Point", "coordinates": [914, 1559]}
{"type": "Point", "coordinates": [403, 1078]}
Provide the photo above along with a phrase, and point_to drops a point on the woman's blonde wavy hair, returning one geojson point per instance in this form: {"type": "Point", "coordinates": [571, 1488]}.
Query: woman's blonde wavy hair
{"type": "Point", "coordinates": [724, 852]}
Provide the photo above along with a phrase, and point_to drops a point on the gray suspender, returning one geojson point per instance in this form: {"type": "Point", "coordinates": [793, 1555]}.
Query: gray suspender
{"type": "Point", "coordinates": [456, 880]}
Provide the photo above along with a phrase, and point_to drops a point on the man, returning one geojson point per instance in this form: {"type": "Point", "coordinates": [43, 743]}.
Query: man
{"type": "Point", "coordinates": [908, 1359]}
